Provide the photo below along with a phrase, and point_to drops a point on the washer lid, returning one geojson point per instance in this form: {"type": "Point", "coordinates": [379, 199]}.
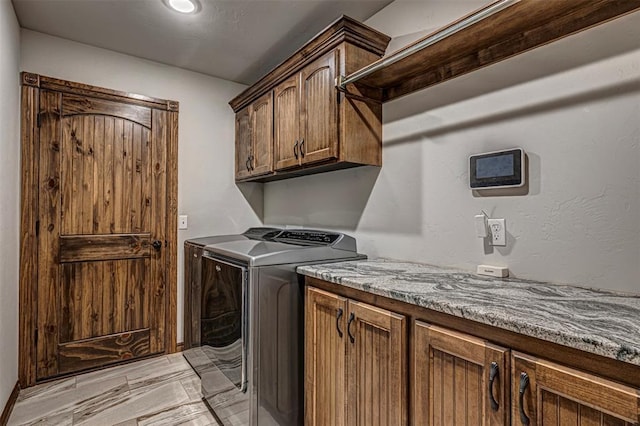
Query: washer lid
{"type": "Point", "coordinates": [289, 246]}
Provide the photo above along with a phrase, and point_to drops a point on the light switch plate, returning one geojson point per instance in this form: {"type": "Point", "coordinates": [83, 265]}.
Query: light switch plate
{"type": "Point", "coordinates": [183, 221]}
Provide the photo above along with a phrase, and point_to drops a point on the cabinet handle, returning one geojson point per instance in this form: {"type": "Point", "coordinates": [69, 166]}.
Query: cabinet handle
{"type": "Point", "coordinates": [246, 164]}
{"type": "Point", "coordinates": [338, 316]}
{"type": "Point", "coordinates": [302, 148]}
{"type": "Point", "coordinates": [251, 158]}
{"type": "Point", "coordinates": [295, 149]}
{"type": "Point", "coordinates": [524, 384]}
{"type": "Point", "coordinates": [493, 373]}
{"type": "Point", "coordinates": [351, 318]}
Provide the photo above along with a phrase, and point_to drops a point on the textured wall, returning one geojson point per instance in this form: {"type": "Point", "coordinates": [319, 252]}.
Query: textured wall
{"type": "Point", "coordinates": [206, 190]}
{"type": "Point", "coordinates": [10, 196]}
{"type": "Point", "coordinates": [574, 106]}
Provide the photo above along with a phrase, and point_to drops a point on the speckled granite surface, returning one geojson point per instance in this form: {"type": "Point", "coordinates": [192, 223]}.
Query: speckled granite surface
{"type": "Point", "coordinates": [600, 322]}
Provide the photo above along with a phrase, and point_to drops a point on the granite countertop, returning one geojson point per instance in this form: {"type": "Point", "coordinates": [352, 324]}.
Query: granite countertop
{"type": "Point", "coordinates": [597, 321]}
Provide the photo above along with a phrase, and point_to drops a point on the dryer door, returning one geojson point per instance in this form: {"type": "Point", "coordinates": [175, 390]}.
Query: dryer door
{"type": "Point", "coordinates": [224, 318]}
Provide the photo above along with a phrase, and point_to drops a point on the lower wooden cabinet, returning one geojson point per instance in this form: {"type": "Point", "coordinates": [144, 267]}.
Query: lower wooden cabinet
{"type": "Point", "coordinates": [458, 379]}
{"type": "Point", "coordinates": [544, 393]}
{"type": "Point", "coordinates": [355, 366]}
{"type": "Point", "coordinates": [356, 373]}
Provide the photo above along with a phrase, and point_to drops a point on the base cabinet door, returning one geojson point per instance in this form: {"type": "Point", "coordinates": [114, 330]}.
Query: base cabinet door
{"type": "Point", "coordinates": [355, 363]}
{"type": "Point", "coordinates": [325, 347]}
{"type": "Point", "coordinates": [544, 393]}
{"type": "Point", "coordinates": [376, 366]}
{"type": "Point", "coordinates": [458, 379]}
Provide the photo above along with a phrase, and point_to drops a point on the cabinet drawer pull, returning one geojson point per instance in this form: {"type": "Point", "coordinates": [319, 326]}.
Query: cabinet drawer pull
{"type": "Point", "coordinates": [524, 384]}
{"type": "Point", "coordinates": [493, 373]}
{"type": "Point", "coordinates": [295, 149]}
{"type": "Point", "coordinates": [302, 148]}
{"type": "Point", "coordinates": [351, 318]}
{"type": "Point", "coordinates": [338, 316]}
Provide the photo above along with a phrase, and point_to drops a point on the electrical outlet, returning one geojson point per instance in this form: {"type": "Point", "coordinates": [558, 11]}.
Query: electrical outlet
{"type": "Point", "coordinates": [498, 232]}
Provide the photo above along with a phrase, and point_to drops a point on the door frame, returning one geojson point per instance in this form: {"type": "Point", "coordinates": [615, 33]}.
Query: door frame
{"type": "Point", "coordinates": [31, 84]}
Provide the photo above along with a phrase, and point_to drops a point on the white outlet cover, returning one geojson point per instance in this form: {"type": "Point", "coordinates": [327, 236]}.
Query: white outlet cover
{"type": "Point", "coordinates": [497, 232]}
{"type": "Point", "coordinates": [183, 221]}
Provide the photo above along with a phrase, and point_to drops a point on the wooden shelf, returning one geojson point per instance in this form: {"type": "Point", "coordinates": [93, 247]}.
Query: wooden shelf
{"type": "Point", "coordinates": [521, 27]}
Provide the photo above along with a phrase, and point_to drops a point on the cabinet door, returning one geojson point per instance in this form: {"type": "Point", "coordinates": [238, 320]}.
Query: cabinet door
{"type": "Point", "coordinates": [325, 338]}
{"type": "Point", "coordinates": [243, 144]}
{"type": "Point", "coordinates": [376, 366]}
{"type": "Point", "coordinates": [286, 101]}
{"type": "Point", "coordinates": [544, 393]}
{"type": "Point", "coordinates": [319, 110]}
{"type": "Point", "coordinates": [262, 134]}
{"type": "Point", "coordinates": [452, 379]}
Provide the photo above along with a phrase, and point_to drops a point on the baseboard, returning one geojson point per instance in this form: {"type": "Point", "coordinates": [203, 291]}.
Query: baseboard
{"type": "Point", "coordinates": [180, 347]}
{"type": "Point", "coordinates": [4, 419]}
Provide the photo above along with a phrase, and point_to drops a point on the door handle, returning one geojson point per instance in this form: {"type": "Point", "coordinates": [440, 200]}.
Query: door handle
{"type": "Point", "coordinates": [302, 148]}
{"type": "Point", "coordinates": [493, 373]}
{"type": "Point", "coordinates": [157, 245]}
{"type": "Point", "coordinates": [338, 316]}
{"type": "Point", "coordinates": [524, 384]}
{"type": "Point", "coordinates": [295, 149]}
{"type": "Point", "coordinates": [351, 336]}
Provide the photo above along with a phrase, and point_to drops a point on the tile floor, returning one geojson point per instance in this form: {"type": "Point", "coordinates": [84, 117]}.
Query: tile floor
{"type": "Point", "coordinates": [157, 391]}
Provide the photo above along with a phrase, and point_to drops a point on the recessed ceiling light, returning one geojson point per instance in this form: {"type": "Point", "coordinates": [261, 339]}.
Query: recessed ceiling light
{"type": "Point", "coordinates": [182, 6]}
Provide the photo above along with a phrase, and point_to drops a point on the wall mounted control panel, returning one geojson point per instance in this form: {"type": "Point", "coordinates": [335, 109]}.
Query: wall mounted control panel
{"type": "Point", "coordinates": [498, 169]}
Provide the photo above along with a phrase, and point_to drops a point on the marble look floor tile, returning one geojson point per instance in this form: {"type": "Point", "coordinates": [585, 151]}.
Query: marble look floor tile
{"type": "Point", "coordinates": [46, 389]}
{"type": "Point", "coordinates": [192, 387]}
{"type": "Point", "coordinates": [170, 372]}
{"type": "Point", "coordinates": [132, 422]}
{"type": "Point", "coordinates": [135, 369]}
{"type": "Point", "coordinates": [61, 404]}
{"type": "Point", "coordinates": [64, 419]}
{"type": "Point", "coordinates": [195, 413]}
{"type": "Point", "coordinates": [136, 403]}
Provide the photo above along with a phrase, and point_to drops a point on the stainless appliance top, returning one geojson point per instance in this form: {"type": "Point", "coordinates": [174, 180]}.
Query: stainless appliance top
{"type": "Point", "coordinates": [266, 246]}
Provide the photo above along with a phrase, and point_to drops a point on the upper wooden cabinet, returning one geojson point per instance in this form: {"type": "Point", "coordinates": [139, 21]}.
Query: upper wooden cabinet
{"type": "Point", "coordinates": [545, 393]}
{"type": "Point", "coordinates": [254, 138]}
{"type": "Point", "coordinates": [314, 127]}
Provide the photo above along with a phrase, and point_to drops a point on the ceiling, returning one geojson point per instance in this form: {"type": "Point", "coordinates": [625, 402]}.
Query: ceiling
{"type": "Point", "coordinates": [237, 40]}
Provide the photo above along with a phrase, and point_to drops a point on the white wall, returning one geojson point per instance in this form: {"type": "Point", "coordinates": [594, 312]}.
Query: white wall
{"type": "Point", "coordinates": [574, 106]}
{"type": "Point", "coordinates": [10, 196]}
{"type": "Point", "coordinates": [206, 189]}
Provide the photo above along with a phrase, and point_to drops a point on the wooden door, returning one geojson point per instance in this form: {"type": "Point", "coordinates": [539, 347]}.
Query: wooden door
{"type": "Point", "coordinates": [262, 135]}
{"type": "Point", "coordinates": [376, 366]}
{"type": "Point", "coordinates": [286, 113]}
{"type": "Point", "coordinates": [102, 232]}
{"type": "Point", "coordinates": [452, 379]}
{"type": "Point", "coordinates": [319, 110]}
{"type": "Point", "coordinates": [553, 395]}
{"type": "Point", "coordinates": [243, 144]}
{"type": "Point", "coordinates": [325, 339]}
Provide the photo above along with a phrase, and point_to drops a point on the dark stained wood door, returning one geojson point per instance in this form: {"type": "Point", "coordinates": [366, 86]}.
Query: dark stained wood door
{"type": "Point", "coordinates": [451, 383]}
{"type": "Point", "coordinates": [319, 110]}
{"type": "Point", "coordinates": [102, 232]}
